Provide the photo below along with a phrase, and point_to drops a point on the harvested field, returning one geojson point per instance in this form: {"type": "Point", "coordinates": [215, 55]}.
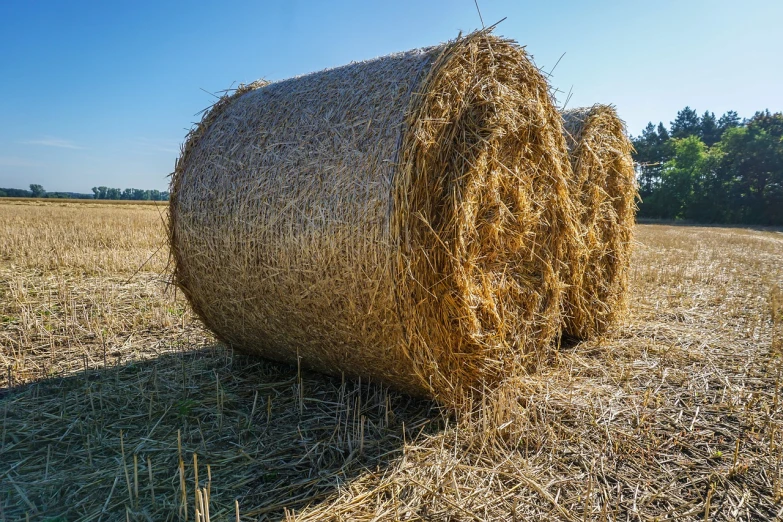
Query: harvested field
{"type": "Point", "coordinates": [115, 402]}
{"type": "Point", "coordinates": [82, 286]}
{"type": "Point", "coordinates": [88, 202]}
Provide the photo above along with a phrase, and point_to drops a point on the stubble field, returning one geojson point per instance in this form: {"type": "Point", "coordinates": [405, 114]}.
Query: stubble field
{"type": "Point", "coordinates": [117, 405]}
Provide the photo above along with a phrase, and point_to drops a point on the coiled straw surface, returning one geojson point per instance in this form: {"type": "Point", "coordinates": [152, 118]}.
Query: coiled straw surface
{"type": "Point", "coordinates": [399, 219]}
{"type": "Point", "coordinates": [604, 188]}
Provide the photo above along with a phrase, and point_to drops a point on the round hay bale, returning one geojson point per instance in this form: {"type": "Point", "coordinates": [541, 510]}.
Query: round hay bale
{"type": "Point", "coordinates": [604, 188]}
{"type": "Point", "coordinates": [400, 218]}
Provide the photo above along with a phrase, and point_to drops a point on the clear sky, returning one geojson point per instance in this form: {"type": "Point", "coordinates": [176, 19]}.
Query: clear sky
{"type": "Point", "coordinates": [102, 93]}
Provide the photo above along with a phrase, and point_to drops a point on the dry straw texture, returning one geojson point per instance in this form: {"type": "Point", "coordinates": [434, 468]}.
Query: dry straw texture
{"type": "Point", "coordinates": [400, 218]}
{"type": "Point", "coordinates": [604, 187]}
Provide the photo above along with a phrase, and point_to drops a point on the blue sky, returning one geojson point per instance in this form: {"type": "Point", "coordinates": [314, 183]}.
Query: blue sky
{"type": "Point", "coordinates": [102, 93]}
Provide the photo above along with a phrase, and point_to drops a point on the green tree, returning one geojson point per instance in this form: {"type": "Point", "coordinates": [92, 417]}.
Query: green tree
{"type": "Point", "coordinates": [773, 197]}
{"type": "Point", "coordinates": [680, 177]}
{"type": "Point", "coordinates": [751, 169]}
{"type": "Point", "coordinates": [729, 120]}
{"type": "Point", "coordinates": [686, 124]}
{"type": "Point", "coordinates": [709, 131]}
{"type": "Point", "coordinates": [37, 190]}
{"type": "Point", "coordinates": [652, 149]}
{"type": "Point", "coordinates": [708, 200]}
{"type": "Point", "coordinates": [141, 194]}
{"type": "Point", "coordinates": [771, 123]}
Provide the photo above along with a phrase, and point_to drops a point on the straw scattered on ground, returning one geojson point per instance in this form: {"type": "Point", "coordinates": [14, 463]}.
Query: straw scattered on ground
{"type": "Point", "coordinates": [676, 414]}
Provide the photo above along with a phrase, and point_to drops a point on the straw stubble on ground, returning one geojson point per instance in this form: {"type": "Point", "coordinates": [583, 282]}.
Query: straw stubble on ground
{"type": "Point", "coordinates": [82, 287]}
{"type": "Point", "coordinates": [676, 414]}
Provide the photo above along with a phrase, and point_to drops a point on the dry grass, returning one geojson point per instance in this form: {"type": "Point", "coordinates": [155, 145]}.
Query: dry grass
{"type": "Point", "coordinates": [675, 415]}
{"type": "Point", "coordinates": [81, 286]}
{"type": "Point", "coordinates": [81, 202]}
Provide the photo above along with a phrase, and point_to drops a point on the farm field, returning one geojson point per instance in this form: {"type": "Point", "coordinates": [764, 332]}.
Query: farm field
{"type": "Point", "coordinates": [117, 405]}
{"type": "Point", "coordinates": [88, 202]}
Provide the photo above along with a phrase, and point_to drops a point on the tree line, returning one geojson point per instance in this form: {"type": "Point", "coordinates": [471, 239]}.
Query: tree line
{"type": "Point", "coordinates": [712, 170]}
{"type": "Point", "coordinates": [37, 191]}
{"type": "Point", "coordinates": [129, 194]}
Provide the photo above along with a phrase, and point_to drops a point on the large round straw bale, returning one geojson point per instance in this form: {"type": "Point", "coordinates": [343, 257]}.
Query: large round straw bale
{"type": "Point", "coordinates": [400, 219]}
{"type": "Point", "coordinates": [604, 187]}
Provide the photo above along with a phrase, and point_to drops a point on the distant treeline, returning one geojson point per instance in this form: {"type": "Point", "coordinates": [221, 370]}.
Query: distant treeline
{"type": "Point", "coordinates": [712, 170]}
{"type": "Point", "coordinates": [37, 191]}
{"type": "Point", "coordinates": [129, 194]}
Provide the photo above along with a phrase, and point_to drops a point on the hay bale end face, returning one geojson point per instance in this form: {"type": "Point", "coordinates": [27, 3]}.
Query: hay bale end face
{"type": "Point", "coordinates": [605, 192]}
{"type": "Point", "coordinates": [400, 219]}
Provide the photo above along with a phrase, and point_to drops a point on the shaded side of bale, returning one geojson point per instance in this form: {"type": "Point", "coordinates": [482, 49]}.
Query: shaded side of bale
{"type": "Point", "coordinates": [400, 219]}
{"type": "Point", "coordinates": [604, 187]}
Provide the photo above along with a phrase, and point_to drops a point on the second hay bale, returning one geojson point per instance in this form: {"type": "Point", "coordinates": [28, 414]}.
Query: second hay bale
{"type": "Point", "coordinates": [403, 219]}
{"type": "Point", "coordinates": [604, 189]}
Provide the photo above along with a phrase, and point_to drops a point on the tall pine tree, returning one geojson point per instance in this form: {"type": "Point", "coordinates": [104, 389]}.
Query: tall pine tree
{"type": "Point", "coordinates": [686, 124]}
{"type": "Point", "coordinates": [709, 132]}
{"type": "Point", "coordinates": [729, 120]}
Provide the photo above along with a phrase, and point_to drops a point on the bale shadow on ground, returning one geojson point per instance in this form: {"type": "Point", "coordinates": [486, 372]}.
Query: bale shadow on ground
{"type": "Point", "coordinates": [134, 440]}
